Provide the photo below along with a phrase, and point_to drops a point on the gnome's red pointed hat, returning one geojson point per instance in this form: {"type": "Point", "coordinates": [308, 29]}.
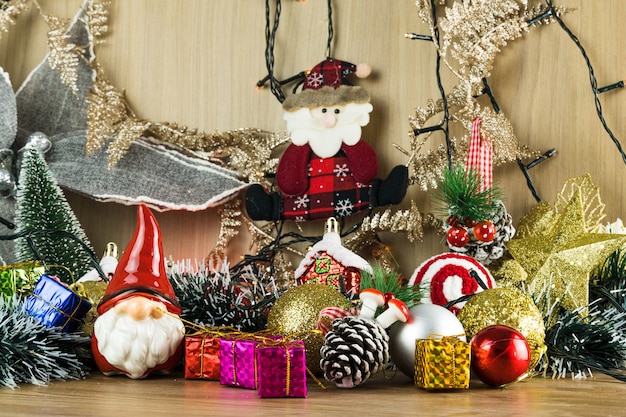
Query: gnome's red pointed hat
{"type": "Point", "coordinates": [141, 270]}
{"type": "Point", "coordinates": [327, 84]}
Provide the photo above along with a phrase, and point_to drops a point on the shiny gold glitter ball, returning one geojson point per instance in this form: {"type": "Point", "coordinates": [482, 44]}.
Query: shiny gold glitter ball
{"type": "Point", "coordinates": [296, 313]}
{"type": "Point", "coordinates": [510, 307]}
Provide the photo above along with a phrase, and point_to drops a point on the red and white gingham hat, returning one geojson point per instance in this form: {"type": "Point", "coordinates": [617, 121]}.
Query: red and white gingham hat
{"type": "Point", "coordinates": [327, 84]}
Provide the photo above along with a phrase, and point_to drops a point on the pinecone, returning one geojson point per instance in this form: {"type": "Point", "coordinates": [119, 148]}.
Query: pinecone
{"type": "Point", "coordinates": [487, 252]}
{"type": "Point", "coordinates": [354, 350]}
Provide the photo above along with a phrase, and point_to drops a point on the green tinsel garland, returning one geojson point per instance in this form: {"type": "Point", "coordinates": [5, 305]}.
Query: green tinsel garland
{"type": "Point", "coordinates": [217, 299]}
{"type": "Point", "coordinates": [33, 353]}
{"type": "Point", "coordinates": [609, 280]}
{"type": "Point", "coordinates": [580, 346]}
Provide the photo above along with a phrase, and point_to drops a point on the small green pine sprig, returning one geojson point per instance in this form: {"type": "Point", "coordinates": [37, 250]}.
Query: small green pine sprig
{"type": "Point", "coordinates": [461, 198]}
{"type": "Point", "coordinates": [609, 280]}
{"type": "Point", "coordinates": [391, 282]}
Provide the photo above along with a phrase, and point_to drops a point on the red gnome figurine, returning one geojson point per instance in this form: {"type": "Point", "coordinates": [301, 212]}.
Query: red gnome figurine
{"type": "Point", "coordinates": [133, 335]}
{"type": "Point", "coordinates": [327, 170]}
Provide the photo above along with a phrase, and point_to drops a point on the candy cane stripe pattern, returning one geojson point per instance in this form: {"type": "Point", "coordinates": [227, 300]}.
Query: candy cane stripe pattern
{"type": "Point", "coordinates": [446, 277]}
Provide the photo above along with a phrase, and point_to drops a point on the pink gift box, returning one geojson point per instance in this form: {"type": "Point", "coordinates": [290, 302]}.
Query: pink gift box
{"type": "Point", "coordinates": [238, 362]}
{"type": "Point", "coordinates": [238, 365]}
{"type": "Point", "coordinates": [281, 369]}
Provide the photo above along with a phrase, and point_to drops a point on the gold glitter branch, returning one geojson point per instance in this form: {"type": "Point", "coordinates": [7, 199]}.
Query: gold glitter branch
{"type": "Point", "coordinates": [472, 34]}
{"type": "Point", "coordinates": [408, 221]}
{"type": "Point", "coordinates": [589, 194]}
{"type": "Point", "coordinates": [110, 118]}
{"type": "Point", "coordinates": [9, 13]}
{"type": "Point", "coordinates": [62, 56]}
{"type": "Point", "coordinates": [230, 223]}
{"type": "Point", "coordinates": [97, 19]}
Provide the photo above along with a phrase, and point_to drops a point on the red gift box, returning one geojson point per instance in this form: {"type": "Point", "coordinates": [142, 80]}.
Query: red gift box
{"type": "Point", "coordinates": [281, 369]}
{"type": "Point", "coordinates": [202, 357]}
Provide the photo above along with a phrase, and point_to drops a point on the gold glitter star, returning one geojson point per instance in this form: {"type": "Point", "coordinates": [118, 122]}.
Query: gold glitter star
{"type": "Point", "coordinates": [559, 258]}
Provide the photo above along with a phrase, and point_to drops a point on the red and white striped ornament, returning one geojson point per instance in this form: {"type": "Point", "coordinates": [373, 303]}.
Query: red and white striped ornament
{"type": "Point", "coordinates": [446, 277]}
{"type": "Point", "coordinates": [329, 314]}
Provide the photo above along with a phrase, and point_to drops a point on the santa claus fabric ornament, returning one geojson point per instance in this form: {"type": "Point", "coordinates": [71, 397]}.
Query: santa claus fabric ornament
{"type": "Point", "coordinates": [137, 331]}
{"type": "Point", "coordinates": [327, 170]}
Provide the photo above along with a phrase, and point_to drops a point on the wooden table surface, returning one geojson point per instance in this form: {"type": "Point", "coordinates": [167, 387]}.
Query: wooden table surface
{"type": "Point", "coordinates": [175, 396]}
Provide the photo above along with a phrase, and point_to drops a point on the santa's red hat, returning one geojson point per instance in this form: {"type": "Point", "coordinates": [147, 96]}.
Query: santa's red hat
{"type": "Point", "coordinates": [141, 270]}
{"type": "Point", "coordinates": [327, 84]}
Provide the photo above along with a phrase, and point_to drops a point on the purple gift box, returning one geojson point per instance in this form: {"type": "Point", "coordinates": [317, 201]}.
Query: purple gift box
{"type": "Point", "coordinates": [238, 362]}
{"type": "Point", "coordinates": [55, 305]}
{"type": "Point", "coordinates": [281, 369]}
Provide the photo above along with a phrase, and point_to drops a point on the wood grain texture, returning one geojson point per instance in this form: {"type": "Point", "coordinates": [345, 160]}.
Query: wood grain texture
{"type": "Point", "coordinates": [174, 396]}
{"type": "Point", "coordinates": [196, 63]}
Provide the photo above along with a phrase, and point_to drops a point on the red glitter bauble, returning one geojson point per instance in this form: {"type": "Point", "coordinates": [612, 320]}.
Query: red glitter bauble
{"type": "Point", "coordinates": [500, 355]}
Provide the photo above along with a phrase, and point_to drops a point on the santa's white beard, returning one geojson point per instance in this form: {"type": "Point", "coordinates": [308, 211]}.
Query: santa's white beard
{"type": "Point", "coordinates": [135, 346]}
{"type": "Point", "coordinates": [326, 143]}
{"type": "Point", "coordinates": [306, 126]}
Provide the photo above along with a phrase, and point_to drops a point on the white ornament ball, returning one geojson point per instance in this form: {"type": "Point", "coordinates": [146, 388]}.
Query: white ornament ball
{"type": "Point", "coordinates": [425, 321]}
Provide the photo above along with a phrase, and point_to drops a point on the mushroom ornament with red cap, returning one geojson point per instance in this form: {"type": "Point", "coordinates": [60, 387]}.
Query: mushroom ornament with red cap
{"type": "Point", "coordinates": [358, 347]}
{"type": "Point", "coordinates": [371, 299]}
{"type": "Point", "coordinates": [138, 331]}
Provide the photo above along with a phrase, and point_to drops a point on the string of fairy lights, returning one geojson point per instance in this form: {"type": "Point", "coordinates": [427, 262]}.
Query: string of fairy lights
{"type": "Point", "coordinates": [443, 125]}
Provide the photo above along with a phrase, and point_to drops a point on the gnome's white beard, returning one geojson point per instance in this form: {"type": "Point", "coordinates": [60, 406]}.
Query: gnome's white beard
{"type": "Point", "coordinates": [134, 336]}
{"type": "Point", "coordinates": [306, 126]}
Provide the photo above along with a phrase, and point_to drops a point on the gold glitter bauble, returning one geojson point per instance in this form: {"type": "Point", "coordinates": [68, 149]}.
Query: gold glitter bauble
{"type": "Point", "coordinates": [298, 309]}
{"type": "Point", "coordinates": [509, 307]}
{"type": "Point", "coordinates": [92, 291]}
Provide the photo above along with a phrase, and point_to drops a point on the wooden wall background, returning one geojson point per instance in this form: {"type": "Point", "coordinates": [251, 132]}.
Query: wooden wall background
{"type": "Point", "coordinates": [196, 62]}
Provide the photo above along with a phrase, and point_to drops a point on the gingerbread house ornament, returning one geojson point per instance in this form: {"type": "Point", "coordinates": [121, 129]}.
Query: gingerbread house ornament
{"type": "Point", "coordinates": [328, 262]}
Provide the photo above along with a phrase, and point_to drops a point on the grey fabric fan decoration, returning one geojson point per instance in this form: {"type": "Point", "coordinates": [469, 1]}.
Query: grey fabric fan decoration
{"type": "Point", "coordinates": [161, 178]}
{"type": "Point", "coordinates": [8, 129]}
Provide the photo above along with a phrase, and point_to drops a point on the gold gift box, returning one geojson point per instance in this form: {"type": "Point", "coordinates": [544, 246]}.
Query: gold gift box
{"type": "Point", "coordinates": [442, 363]}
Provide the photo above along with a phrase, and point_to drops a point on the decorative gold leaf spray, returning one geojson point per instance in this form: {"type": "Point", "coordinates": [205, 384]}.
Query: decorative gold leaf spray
{"type": "Point", "coordinates": [472, 32]}
{"type": "Point", "coordinates": [9, 12]}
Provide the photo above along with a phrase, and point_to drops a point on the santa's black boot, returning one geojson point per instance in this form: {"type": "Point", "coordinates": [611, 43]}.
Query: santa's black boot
{"type": "Point", "coordinates": [392, 189]}
{"type": "Point", "coordinates": [261, 205]}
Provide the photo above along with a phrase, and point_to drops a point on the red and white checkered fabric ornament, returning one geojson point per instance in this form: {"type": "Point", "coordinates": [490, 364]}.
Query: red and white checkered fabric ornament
{"type": "Point", "coordinates": [446, 277]}
{"type": "Point", "coordinates": [480, 155]}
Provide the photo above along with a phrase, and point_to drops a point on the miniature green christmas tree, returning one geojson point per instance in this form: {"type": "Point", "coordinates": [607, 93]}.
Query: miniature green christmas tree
{"type": "Point", "coordinates": [42, 210]}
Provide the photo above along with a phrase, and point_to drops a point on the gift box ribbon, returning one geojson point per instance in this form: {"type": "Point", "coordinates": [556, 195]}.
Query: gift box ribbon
{"type": "Point", "coordinates": [69, 316]}
{"type": "Point", "coordinates": [446, 345]}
